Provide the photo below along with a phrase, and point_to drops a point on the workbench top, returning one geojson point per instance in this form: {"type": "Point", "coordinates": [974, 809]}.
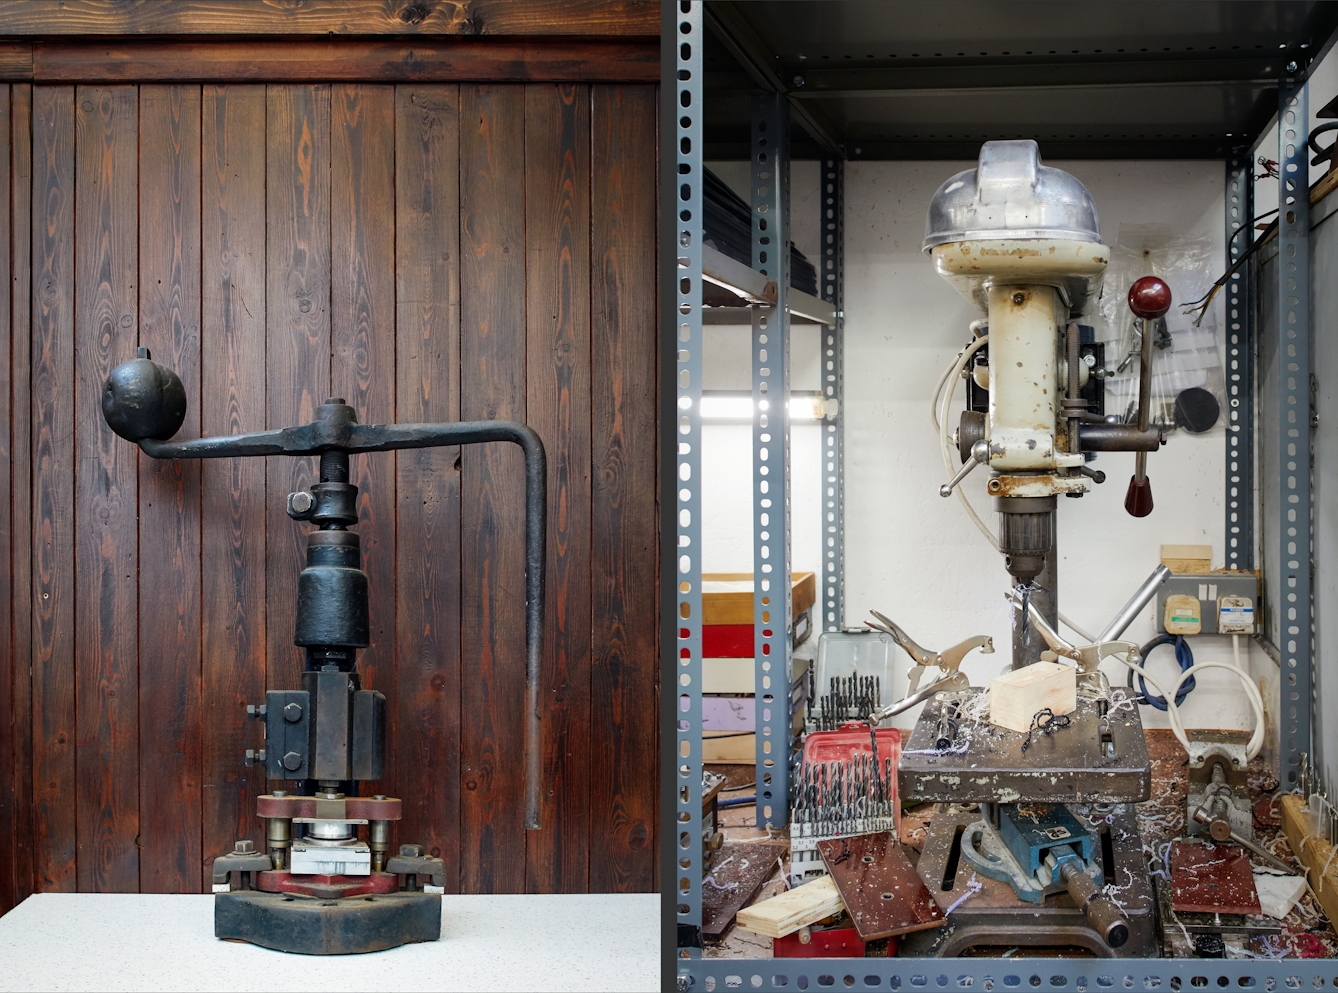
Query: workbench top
{"type": "Point", "coordinates": [115, 941]}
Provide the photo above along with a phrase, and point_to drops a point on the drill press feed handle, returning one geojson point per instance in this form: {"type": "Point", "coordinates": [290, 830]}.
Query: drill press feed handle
{"type": "Point", "coordinates": [145, 402]}
{"type": "Point", "coordinates": [1149, 299]}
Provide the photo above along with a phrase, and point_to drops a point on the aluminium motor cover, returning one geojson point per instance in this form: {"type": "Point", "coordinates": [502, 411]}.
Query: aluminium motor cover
{"type": "Point", "coordinates": [1013, 220]}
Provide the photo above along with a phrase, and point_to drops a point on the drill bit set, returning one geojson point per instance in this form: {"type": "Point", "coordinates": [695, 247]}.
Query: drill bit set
{"type": "Point", "coordinates": [843, 789]}
{"type": "Point", "coordinates": [848, 698]}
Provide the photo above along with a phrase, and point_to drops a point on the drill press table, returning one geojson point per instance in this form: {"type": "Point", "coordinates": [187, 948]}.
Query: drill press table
{"type": "Point", "coordinates": [112, 941]}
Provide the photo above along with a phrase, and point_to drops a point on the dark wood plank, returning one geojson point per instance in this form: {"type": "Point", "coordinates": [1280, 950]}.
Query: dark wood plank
{"type": "Point", "coordinates": [298, 338]}
{"type": "Point", "coordinates": [16, 61]}
{"type": "Point", "coordinates": [337, 17]}
{"type": "Point", "coordinates": [625, 676]}
{"type": "Point", "coordinates": [54, 781]}
{"type": "Point", "coordinates": [362, 361]}
{"type": "Point", "coordinates": [301, 60]}
{"type": "Point", "coordinates": [169, 497]}
{"type": "Point", "coordinates": [233, 505]}
{"type": "Point", "coordinates": [557, 313]}
{"type": "Point", "coordinates": [427, 486]}
{"type": "Point", "coordinates": [21, 550]}
{"type": "Point", "coordinates": [106, 538]}
{"type": "Point", "coordinates": [9, 668]}
{"type": "Point", "coordinates": [492, 386]}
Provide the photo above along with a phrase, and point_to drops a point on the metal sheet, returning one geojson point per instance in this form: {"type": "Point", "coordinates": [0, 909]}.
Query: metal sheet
{"type": "Point", "coordinates": [883, 893]}
{"type": "Point", "coordinates": [1207, 878]}
{"type": "Point", "coordinates": [1067, 766]}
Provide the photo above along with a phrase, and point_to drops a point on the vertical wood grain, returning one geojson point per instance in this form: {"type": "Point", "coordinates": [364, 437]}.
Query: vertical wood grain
{"type": "Point", "coordinates": [298, 337]}
{"type": "Point", "coordinates": [9, 667]}
{"type": "Point", "coordinates": [625, 676]}
{"type": "Point", "coordinates": [492, 614]}
{"type": "Point", "coordinates": [362, 362]}
{"type": "Point", "coordinates": [233, 505]}
{"type": "Point", "coordinates": [21, 550]}
{"type": "Point", "coordinates": [557, 312]}
{"type": "Point", "coordinates": [54, 780]}
{"type": "Point", "coordinates": [106, 552]}
{"type": "Point", "coordinates": [427, 387]}
{"type": "Point", "coordinates": [169, 497]}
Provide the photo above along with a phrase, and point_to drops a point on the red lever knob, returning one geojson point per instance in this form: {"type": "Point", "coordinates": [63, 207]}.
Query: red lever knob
{"type": "Point", "coordinates": [1149, 298]}
{"type": "Point", "coordinates": [1138, 498]}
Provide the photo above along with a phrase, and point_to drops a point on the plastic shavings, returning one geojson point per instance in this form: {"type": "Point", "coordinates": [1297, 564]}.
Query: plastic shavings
{"type": "Point", "coordinates": [957, 750]}
{"type": "Point", "coordinates": [711, 880]}
{"type": "Point", "coordinates": [973, 887]}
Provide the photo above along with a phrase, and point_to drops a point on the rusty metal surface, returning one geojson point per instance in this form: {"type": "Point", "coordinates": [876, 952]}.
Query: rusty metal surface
{"type": "Point", "coordinates": [989, 914]}
{"type": "Point", "coordinates": [738, 872]}
{"type": "Point", "coordinates": [349, 808]}
{"type": "Point", "coordinates": [1208, 878]}
{"type": "Point", "coordinates": [883, 893]}
{"type": "Point", "coordinates": [989, 766]}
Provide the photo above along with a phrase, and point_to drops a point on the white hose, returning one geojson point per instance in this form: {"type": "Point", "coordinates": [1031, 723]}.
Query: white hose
{"type": "Point", "coordinates": [1173, 712]}
{"type": "Point", "coordinates": [942, 401]}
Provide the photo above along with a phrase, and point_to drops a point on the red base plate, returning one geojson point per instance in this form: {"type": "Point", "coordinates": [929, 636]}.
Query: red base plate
{"type": "Point", "coordinates": [327, 887]}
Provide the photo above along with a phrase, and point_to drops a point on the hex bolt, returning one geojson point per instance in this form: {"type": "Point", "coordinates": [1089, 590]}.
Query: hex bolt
{"type": "Point", "coordinates": [292, 761]}
{"type": "Point", "coordinates": [292, 713]}
{"type": "Point", "coordinates": [300, 505]}
{"type": "Point", "coordinates": [253, 756]}
{"type": "Point", "coordinates": [244, 847]}
{"type": "Point", "coordinates": [411, 851]}
{"type": "Point", "coordinates": [255, 712]}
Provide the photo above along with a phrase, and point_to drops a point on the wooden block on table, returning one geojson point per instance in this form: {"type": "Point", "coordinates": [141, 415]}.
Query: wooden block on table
{"type": "Point", "coordinates": [1187, 558]}
{"type": "Point", "coordinates": [1018, 696]}
{"type": "Point", "coordinates": [787, 912]}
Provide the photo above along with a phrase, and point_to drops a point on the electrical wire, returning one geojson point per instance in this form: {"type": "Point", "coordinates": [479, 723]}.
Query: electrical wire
{"type": "Point", "coordinates": [1184, 657]}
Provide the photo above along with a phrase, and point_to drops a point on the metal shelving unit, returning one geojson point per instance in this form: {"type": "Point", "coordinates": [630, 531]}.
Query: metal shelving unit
{"type": "Point", "coordinates": [1140, 99]}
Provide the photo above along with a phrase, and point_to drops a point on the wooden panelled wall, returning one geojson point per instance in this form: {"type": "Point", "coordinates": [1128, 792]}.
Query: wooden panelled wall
{"type": "Point", "coordinates": [431, 253]}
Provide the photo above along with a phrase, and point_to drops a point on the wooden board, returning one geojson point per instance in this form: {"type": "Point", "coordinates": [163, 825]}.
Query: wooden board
{"type": "Point", "coordinates": [106, 489]}
{"type": "Point", "coordinates": [727, 597]}
{"type": "Point", "coordinates": [327, 60]}
{"type": "Point", "coordinates": [618, 18]}
{"type": "Point", "coordinates": [1016, 697]}
{"type": "Point", "coordinates": [1187, 558]}
{"type": "Point", "coordinates": [492, 381]}
{"type": "Point", "coordinates": [233, 508]}
{"type": "Point", "coordinates": [1314, 852]}
{"type": "Point", "coordinates": [53, 417]}
{"type": "Point", "coordinates": [625, 521]}
{"type": "Point", "coordinates": [737, 873]}
{"type": "Point", "coordinates": [169, 497]}
{"type": "Point", "coordinates": [557, 313]}
{"type": "Point", "coordinates": [10, 670]}
{"type": "Point", "coordinates": [21, 531]}
{"type": "Point", "coordinates": [427, 481]}
{"type": "Point", "coordinates": [789, 911]}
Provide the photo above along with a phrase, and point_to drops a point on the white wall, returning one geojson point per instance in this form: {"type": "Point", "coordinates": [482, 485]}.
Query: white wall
{"type": "Point", "coordinates": [912, 554]}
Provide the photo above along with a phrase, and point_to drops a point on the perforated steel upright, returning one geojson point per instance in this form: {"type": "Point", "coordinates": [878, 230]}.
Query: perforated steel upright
{"type": "Point", "coordinates": [681, 329]}
{"type": "Point", "coordinates": [831, 287]}
{"type": "Point", "coordinates": [1239, 474]}
{"type": "Point", "coordinates": [770, 158]}
{"type": "Point", "coordinates": [1295, 392]}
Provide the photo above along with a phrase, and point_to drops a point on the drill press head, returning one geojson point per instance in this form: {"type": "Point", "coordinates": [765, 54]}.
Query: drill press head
{"type": "Point", "coordinates": [1021, 241]}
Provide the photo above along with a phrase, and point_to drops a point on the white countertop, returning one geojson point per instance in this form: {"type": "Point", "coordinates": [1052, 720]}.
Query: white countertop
{"type": "Point", "coordinates": [124, 941]}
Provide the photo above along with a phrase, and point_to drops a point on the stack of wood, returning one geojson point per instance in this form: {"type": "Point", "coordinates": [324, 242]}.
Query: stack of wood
{"type": "Point", "coordinates": [729, 700]}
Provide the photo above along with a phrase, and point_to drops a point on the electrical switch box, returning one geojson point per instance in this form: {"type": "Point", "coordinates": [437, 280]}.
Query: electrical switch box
{"type": "Point", "coordinates": [1207, 603]}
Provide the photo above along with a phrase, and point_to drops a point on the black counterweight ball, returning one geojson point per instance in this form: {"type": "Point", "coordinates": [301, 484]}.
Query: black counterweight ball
{"type": "Point", "coordinates": [142, 399]}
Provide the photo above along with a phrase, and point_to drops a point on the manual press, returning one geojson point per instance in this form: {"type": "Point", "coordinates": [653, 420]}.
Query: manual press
{"type": "Point", "coordinates": [322, 887]}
